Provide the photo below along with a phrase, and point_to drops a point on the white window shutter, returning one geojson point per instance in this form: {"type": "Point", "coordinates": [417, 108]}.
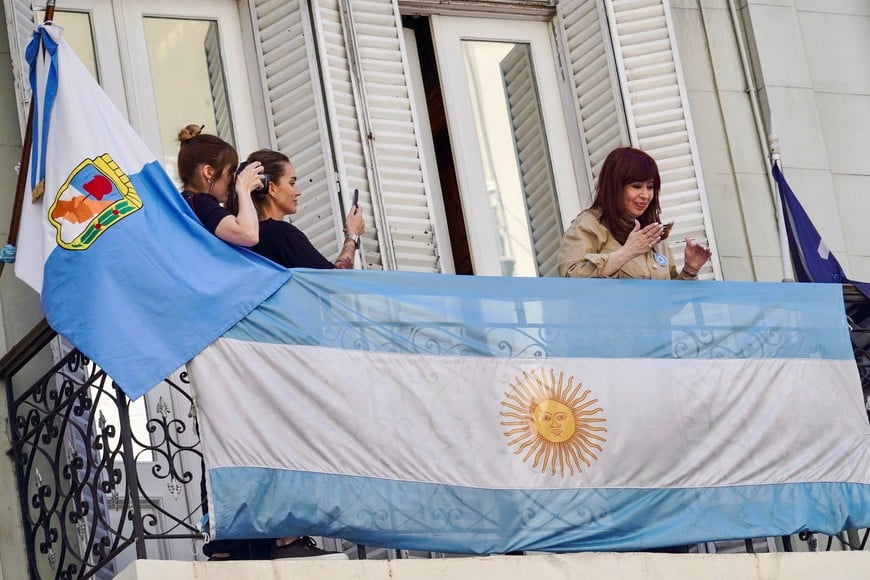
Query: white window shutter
{"type": "Point", "coordinates": [217, 85]}
{"type": "Point", "coordinates": [20, 23]}
{"type": "Point", "coordinates": [658, 116]}
{"type": "Point", "coordinates": [297, 121]}
{"type": "Point", "coordinates": [533, 158]}
{"type": "Point", "coordinates": [343, 121]}
{"type": "Point", "coordinates": [581, 27]}
{"type": "Point", "coordinates": [386, 147]}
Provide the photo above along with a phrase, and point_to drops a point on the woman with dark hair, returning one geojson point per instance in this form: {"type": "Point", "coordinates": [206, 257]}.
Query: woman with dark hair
{"type": "Point", "coordinates": [207, 166]}
{"type": "Point", "coordinates": [620, 236]}
{"type": "Point", "coordinates": [281, 241]}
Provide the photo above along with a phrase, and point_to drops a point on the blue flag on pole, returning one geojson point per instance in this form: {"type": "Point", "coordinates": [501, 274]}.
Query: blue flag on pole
{"type": "Point", "coordinates": [812, 260]}
{"type": "Point", "coordinates": [126, 271]}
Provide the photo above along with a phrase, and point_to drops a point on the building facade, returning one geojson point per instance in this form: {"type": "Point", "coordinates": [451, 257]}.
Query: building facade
{"type": "Point", "coordinates": [474, 129]}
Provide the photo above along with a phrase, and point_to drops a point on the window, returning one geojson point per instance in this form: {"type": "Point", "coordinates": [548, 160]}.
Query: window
{"type": "Point", "coordinates": [196, 73]}
{"type": "Point", "coordinates": [193, 54]}
{"type": "Point", "coordinates": [502, 132]}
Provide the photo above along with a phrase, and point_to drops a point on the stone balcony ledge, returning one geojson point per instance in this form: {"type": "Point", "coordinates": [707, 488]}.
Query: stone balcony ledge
{"type": "Point", "coordinates": [625, 566]}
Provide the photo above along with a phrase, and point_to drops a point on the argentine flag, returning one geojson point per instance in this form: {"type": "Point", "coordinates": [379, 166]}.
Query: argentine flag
{"type": "Point", "coordinates": [484, 415]}
{"type": "Point", "coordinates": [126, 272]}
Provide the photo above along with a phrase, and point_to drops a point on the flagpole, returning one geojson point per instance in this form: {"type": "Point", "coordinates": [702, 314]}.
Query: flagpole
{"type": "Point", "coordinates": [8, 255]}
{"type": "Point", "coordinates": [787, 268]}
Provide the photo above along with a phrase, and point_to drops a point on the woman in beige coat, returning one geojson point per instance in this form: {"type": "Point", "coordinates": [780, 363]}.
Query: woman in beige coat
{"type": "Point", "coordinates": [620, 236]}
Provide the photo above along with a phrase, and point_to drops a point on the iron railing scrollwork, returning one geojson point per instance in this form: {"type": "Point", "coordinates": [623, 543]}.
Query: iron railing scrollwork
{"type": "Point", "coordinates": [81, 468]}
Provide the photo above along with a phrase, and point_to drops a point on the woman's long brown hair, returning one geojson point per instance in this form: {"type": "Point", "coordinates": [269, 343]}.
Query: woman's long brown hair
{"type": "Point", "coordinates": [623, 166]}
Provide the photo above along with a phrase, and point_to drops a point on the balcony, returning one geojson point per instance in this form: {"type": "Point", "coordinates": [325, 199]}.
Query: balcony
{"type": "Point", "coordinates": [104, 482]}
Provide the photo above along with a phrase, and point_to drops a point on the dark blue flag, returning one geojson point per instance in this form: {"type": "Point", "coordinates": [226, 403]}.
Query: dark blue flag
{"type": "Point", "coordinates": [812, 260]}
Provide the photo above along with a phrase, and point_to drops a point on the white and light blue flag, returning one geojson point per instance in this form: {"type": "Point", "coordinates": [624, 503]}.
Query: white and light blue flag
{"type": "Point", "coordinates": [484, 415]}
{"type": "Point", "coordinates": [126, 272]}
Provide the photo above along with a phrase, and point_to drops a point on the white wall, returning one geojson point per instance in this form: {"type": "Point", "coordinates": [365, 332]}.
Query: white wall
{"type": "Point", "coordinates": [19, 311]}
{"type": "Point", "coordinates": [732, 155]}
{"type": "Point", "coordinates": [812, 66]}
{"type": "Point", "coordinates": [19, 305]}
{"type": "Point", "coordinates": [811, 70]}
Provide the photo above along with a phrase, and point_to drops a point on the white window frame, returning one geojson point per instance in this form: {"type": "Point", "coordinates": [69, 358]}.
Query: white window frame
{"type": "Point", "coordinates": [143, 109]}
{"type": "Point", "coordinates": [105, 38]}
{"type": "Point", "coordinates": [448, 32]}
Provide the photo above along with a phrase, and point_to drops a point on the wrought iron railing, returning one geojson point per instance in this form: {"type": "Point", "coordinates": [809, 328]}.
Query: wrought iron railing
{"type": "Point", "coordinates": [104, 481]}
{"type": "Point", "coordinates": [87, 476]}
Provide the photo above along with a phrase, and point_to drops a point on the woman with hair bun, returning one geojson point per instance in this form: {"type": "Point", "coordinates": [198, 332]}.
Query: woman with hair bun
{"type": "Point", "coordinates": [620, 236]}
{"type": "Point", "coordinates": [206, 166]}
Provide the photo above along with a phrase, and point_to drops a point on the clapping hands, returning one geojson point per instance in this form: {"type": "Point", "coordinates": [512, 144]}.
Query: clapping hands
{"type": "Point", "coordinates": [641, 240]}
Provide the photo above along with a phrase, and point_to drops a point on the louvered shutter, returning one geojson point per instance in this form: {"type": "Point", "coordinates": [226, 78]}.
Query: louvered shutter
{"type": "Point", "coordinates": [533, 158]}
{"type": "Point", "coordinates": [297, 120]}
{"type": "Point", "coordinates": [340, 104]}
{"type": "Point", "coordinates": [217, 84]}
{"type": "Point", "coordinates": [582, 29]}
{"type": "Point", "coordinates": [402, 202]}
{"type": "Point", "coordinates": [658, 116]}
{"type": "Point", "coordinates": [403, 194]}
{"type": "Point", "coordinates": [20, 22]}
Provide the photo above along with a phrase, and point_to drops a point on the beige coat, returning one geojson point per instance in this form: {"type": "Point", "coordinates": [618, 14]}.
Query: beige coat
{"type": "Point", "coordinates": [587, 245]}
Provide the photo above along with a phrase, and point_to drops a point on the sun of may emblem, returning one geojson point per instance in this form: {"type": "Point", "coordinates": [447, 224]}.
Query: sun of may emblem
{"type": "Point", "coordinates": [554, 423]}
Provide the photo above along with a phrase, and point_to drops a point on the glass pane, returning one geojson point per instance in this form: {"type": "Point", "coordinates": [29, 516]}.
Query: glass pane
{"type": "Point", "coordinates": [187, 74]}
{"type": "Point", "coordinates": [78, 32]}
{"type": "Point", "coordinates": [516, 160]}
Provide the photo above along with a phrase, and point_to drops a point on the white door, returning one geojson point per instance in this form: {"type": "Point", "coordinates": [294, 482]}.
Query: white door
{"type": "Point", "coordinates": [509, 140]}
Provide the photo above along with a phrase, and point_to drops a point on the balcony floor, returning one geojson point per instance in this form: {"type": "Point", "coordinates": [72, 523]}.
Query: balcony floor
{"type": "Point", "coordinates": [791, 566]}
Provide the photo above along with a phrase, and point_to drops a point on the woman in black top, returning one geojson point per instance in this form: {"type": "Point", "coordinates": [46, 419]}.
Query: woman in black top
{"type": "Point", "coordinates": [281, 241]}
{"type": "Point", "coordinates": [206, 166]}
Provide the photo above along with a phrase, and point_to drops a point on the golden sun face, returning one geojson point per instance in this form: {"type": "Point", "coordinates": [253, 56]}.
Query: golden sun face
{"type": "Point", "coordinates": [552, 422]}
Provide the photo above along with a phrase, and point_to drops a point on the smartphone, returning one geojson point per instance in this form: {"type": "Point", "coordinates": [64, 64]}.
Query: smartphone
{"type": "Point", "coordinates": [355, 202]}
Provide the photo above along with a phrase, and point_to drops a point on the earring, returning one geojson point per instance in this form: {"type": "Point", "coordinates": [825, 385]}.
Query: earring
{"type": "Point", "coordinates": [209, 180]}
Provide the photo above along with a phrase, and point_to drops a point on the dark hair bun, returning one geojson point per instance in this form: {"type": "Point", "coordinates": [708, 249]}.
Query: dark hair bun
{"type": "Point", "coordinates": [189, 133]}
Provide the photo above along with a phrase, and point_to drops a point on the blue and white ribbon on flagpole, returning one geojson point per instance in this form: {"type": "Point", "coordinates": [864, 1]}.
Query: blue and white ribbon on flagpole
{"type": "Point", "coordinates": [7, 255]}
{"type": "Point", "coordinates": [43, 82]}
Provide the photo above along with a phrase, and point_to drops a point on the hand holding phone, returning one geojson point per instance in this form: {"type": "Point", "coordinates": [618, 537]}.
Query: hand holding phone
{"type": "Point", "coordinates": [354, 223]}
